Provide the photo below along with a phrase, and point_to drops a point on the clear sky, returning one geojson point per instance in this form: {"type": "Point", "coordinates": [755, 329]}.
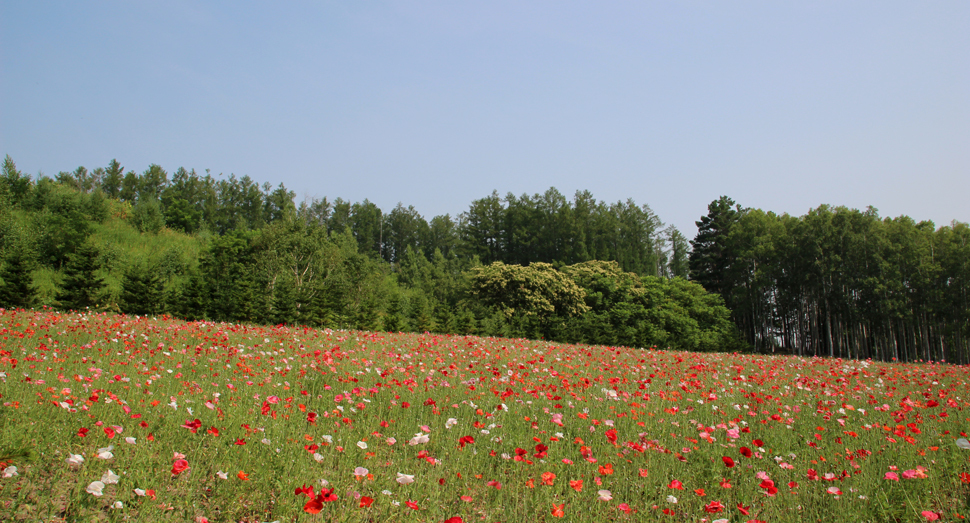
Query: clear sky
{"type": "Point", "coordinates": [780, 105]}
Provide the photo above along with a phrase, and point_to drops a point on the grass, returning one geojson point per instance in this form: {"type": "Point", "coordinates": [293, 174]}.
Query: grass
{"type": "Point", "coordinates": [515, 430]}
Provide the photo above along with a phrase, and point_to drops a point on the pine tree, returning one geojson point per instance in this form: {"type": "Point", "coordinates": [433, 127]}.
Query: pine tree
{"type": "Point", "coordinates": [82, 285]}
{"type": "Point", "coordinates": [710, 257]}
{"type": "Point", "coordinates": [16, 287]}
{"type": "Point", "coordinates": [284, 303]}
{"type": "Point", "coordinates": [193, 298]}
{"type": "Point", "coordinates": [141, 290]}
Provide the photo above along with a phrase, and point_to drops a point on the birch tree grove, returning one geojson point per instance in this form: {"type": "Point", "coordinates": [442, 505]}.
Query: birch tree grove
{"type": "Point", "coordinates": [845, 283]}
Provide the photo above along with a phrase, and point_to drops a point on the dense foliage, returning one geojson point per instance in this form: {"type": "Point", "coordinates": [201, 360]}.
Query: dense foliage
{"type": "Point", "coordinates": [204, 247]}
{"type": "Point", "coordinates": [839, 282]}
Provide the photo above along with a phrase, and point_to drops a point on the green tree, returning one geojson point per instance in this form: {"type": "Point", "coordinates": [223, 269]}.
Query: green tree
{"type": "Point", "coordinates": [678, 265]}
{"type": "Point", "coordinates": [710, 257]}
{"type": "Point", "coordinates": [153, 182]}
{"type": "Point", "coordinates": [16, 283]}
{"type": "Point", "coordinates": [130, 187]}
{"type": "Point", "coordinates": [61, 221]}
{"type": "Point", "coordinates": [482, 229]}
{"type": "Point", "coordinates": [111, 182]}
{"type": "Point", "coordinates": [181, 202]}
{"type": "Point", "coordinates": [279, 204]}
{"type": "Point", "coordinates": [147, 216]}
{"type": "Point", "coordinates": [82, 286]}
{"type": "Point", "coordinates": [141, 290]}
{"type": "Point", "coordinates": [537, 290]}
{"type": "Point", "coordinates": [443, 236]}
{"type": "Point", "coordinates": [403, 228]}
{"type": "Point", "coordinates": [14, 183]}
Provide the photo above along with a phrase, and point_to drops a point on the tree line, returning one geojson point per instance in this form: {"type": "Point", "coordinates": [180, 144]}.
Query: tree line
{"type": "Point", "coordinates": [512, 229]}
{"type": "Point", "coordinates": [839, 282]}
{"type": "Point", "coordinates": [211, 247]}
{"type": "Point", "coordinates": [835, 282]}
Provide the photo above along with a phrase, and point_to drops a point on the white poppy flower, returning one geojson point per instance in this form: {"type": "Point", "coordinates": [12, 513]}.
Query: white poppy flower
{"type": "Point", "coordinates": [74, 459]}
{"type": "Point", "coordinates": [419, 438]}
{"type": "Point", "coordinates": [95, 488]}
{"type": "Point", "coordinates": [110, 477]}
{"type": "Point", "coordinates": [405, 479]}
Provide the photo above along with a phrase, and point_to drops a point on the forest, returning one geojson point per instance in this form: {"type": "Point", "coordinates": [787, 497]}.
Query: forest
{"type": "Point", "coordinates": [839, 282]}
{"type": "Point", "coordinates": [229, 249]}
{"type": "Point", "coordinates": [835, 282]}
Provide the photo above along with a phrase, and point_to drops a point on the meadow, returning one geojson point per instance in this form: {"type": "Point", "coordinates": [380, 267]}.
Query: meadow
{"type": "Point", "coordinates": [108, 417]}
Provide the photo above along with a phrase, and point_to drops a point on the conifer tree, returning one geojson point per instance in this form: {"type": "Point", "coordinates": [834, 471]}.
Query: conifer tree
{"type": "Point", "coordinates": [710, 257]}
{"type": "Point", "coordinates": [284, 303]}
{"type": "Point", "coordinates": [193, 298]}
{"type": "Point", "coordinates": [82, 286]}
{"type": "Point", "coordinates": [141, 290]}
{"type": "Point", "coordinates": [16, 287]}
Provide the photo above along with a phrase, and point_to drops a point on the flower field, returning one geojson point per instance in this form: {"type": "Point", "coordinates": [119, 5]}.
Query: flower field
{"type": "Point", "coordinates": [115, 418]}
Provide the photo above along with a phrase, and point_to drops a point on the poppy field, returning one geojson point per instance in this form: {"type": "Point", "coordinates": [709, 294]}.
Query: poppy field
{"type": "Point", "coordinates": [107, 417]}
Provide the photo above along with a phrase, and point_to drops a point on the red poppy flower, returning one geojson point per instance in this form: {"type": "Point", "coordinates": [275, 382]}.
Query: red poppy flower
{"type": "Point", "coordinates": [313, 506]}
{"type": "Point", "coordinates": [179, 467]}
{"type": "Point", "coordinates": [326, 495]}
{"type": "Point", "coordinates": [611, 436]}
{"type": "Point", "coordinates": [728, 461]}
{"type": "Point", "coordinates": [411, 504]}
{"type": "Point", "coordinates": [714, 507]}
{"type": "Point", "coordinates": [548, 478]}
{"type": "Point", "coordinates": [83, 432]}
{"type": "Point", "coordinates": [676, 484]}
{"type": "Point", "coordinates": [558, 510]}
{"type": "Point", "coordinates": [769, 486]}
{"type": "Point", "coordinates": [366, 501]}
{"type": "Point", "coordinates": [745, 451]}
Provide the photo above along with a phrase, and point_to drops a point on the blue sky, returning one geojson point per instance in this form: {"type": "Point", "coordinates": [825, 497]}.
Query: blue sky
{"type": "Point", "coordinates": [780, 105]}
